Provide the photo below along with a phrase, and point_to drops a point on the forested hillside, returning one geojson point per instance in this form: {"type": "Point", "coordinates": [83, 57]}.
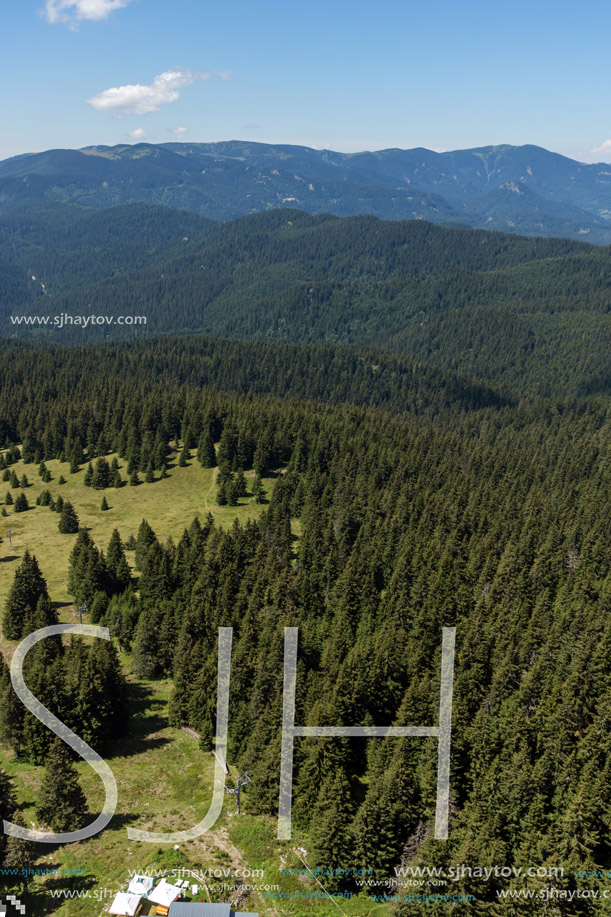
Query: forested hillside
{"type": "Point", "coordinates": [530, 314]}
{"type": "Point", "coordinates": [388, 520]}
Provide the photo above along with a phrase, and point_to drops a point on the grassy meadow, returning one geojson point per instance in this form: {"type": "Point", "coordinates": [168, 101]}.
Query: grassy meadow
{"type": "Point", "coordinates": [168, 504]}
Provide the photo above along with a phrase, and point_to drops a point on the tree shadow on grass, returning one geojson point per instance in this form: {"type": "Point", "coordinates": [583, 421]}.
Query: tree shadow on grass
{"type": "Point", "coordinates": [145, 718]}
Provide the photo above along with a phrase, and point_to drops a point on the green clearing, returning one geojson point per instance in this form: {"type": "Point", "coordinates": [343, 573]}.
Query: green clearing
{"type": "Point", "coordinates": [169, 505]}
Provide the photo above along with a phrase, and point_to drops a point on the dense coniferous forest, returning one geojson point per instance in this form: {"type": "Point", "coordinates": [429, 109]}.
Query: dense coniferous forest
{"type": "Point", "coordinates": [406, 499]}
{"type": "Point", "coordinates": [529, 313]}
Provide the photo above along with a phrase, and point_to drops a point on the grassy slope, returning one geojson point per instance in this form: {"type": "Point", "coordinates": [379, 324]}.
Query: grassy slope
{"type": "Point", "coordinates": [164, 779]}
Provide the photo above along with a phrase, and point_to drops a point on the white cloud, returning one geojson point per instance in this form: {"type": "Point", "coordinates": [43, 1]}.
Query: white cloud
{"type": "Point", "coordinates": [74, 11]}
{"type": "Point", "coordinates": [604, 148]}
{"type": "Point", "coordinates": [138, 135]}
{"type": "Point", "coordinates": [139, 99]}
{"type": "Point", "coordinates": [179, 132]}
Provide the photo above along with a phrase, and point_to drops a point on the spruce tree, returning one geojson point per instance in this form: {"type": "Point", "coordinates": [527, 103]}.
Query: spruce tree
{"type": "Point", "coordinates": [240, 482]}
{"type": "Point", "coordinates": [19, 856]}
{"type": "Point", "coordinates": [88, 479]}
{"type": "Point", "coordinates": [68, 521]}
{"type": "Point", "coordinates": [150, 474]}
{"type": "Point", "coordinates": [61, 802]}
{"type": "Point", "coordinates": [27, 588]}
{"type": "Point", "coordinates": [104, 505]}
{"type": "Point", "coordinates": [24, 481]}
{"type": "Point", "coordinates": [123, 575]}
{"type": "Point", "coordinates": [134, 478]}
{"type": "Point", "coordinates": [233, 492]}
{"type": "Point", "coordinates": [14, 481]}
{"type": "Point", "coordinates": [206, 454]}
{"type": "Point", "coordinates": [8, 498]}
{"type": "Point", "coordinates": [257, 490]}
{"type": "Point", "coordinates": [146, 537]}
{"type": "Point", "coordinates": [101, 474]}
{"type": "Point", "coordinates": [146, 646]}
{"type": "Point", "coordinates": [332, 841]}
{"type": "Point", "coordinates": [76, 457]}
{"type": "Point", "coordinates": [61, 479]}
{"type": "Point", "coordinates": [8, 801]}
{"type": "Point", "coordinates": [21, 503]}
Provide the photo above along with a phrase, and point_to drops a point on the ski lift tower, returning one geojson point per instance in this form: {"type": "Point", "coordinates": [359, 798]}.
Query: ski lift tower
{"type": "Point", "coordinates": [235, 791]}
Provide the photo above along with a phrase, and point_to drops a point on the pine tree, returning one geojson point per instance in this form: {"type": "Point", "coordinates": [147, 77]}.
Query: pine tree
{"type": "Point", "coordinates": [14, 481]}
{"type": "Point", "coordinates": [61, 479]}
{"type": "Point", "coordinates": [150, 474]}
{"type": "Point", "coordinates": [9, 498]}
{"type": "Point", "coordinates": [182, 458]}
{"type": "Point", "coordinates": [88, 479]}
{"type": "Point", "coordinates": [59, 504]}
{"type": "Point", "coordinates": [134, 478]}
{"type": "Point", "coordinates": [61, 801]}
{"type": "Point", "coordinates": [68, 521]}
{"type": "Point", "coordinates": [104, 505]}
{"type": "Point", "coordinates": [24, 481]}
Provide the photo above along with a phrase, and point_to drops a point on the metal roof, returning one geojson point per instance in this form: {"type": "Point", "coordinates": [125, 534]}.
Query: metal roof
{"type": "Point", "coordinates": [200, 909]}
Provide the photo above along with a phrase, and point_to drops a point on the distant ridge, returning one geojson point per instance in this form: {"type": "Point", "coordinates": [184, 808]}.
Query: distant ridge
{"type": "Point", "coordinates": [523, 189]}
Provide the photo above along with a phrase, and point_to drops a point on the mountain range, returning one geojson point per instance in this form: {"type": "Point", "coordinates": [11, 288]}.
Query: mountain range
{"type": "Point", "coordinates": [517, 189]}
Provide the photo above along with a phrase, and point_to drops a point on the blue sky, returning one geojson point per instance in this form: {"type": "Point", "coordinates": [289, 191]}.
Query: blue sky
{"type": "Point", "coordinates": [342, 74]}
